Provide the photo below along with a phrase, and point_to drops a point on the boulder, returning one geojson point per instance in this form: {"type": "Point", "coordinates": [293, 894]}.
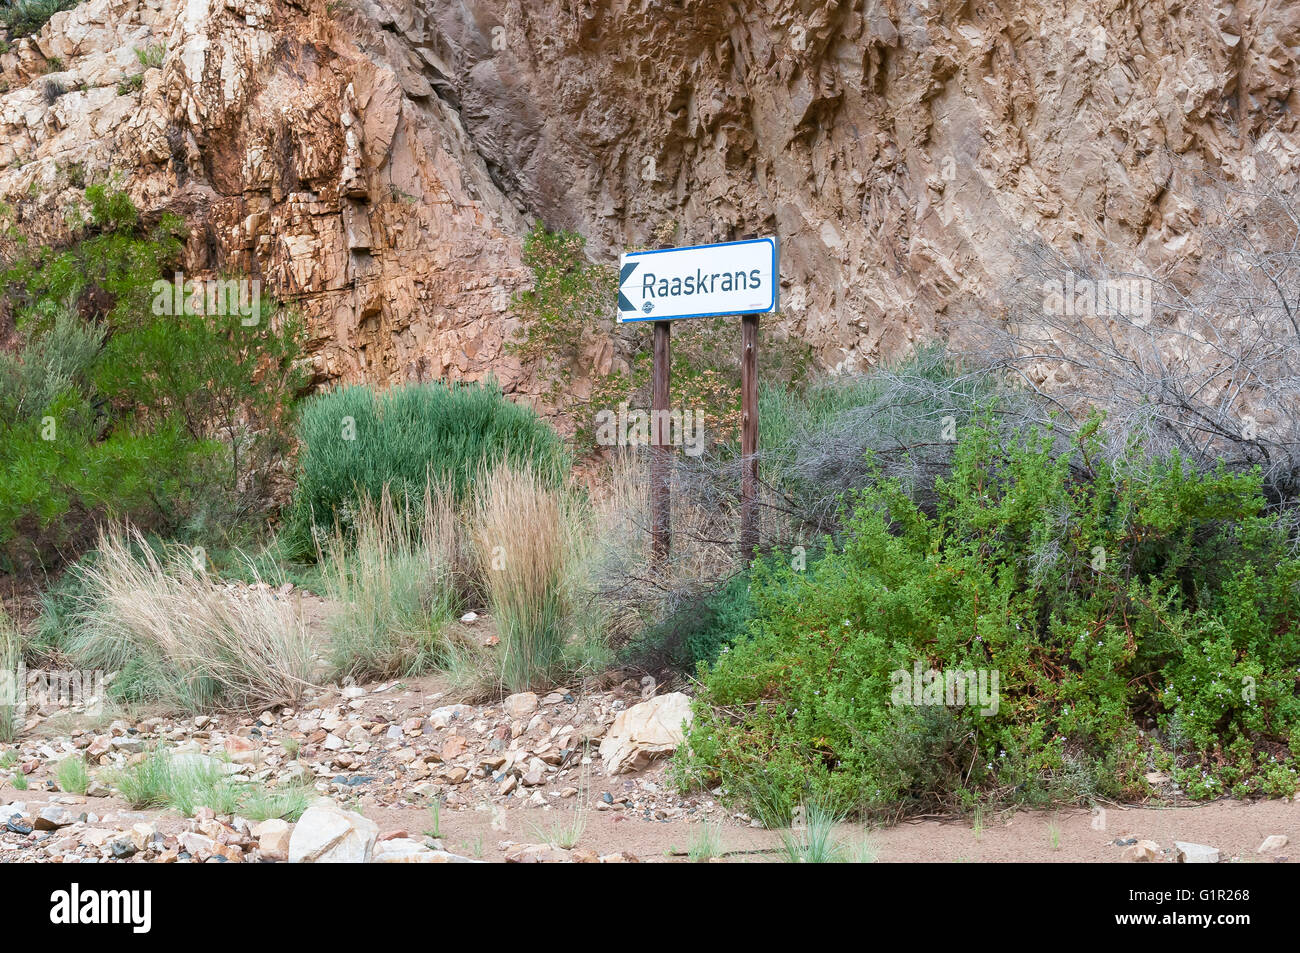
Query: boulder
{"type": "Point", "coordinates": [54, 817]}
{"type": "Point", "coordinates": [1271, 843]}
{"type": "Point", "coordinates": [404, 850]}
{"type": "Point", "coordinates": [1188, 853]}
{"type": "Point", "coordinates": [327, 834]}
{"type": "Point", "coordinates": [537, 854]}
{"type": "Point", "coordinates": [272, 838]}
{"type": "Point", "coordinates": [644, 732]}
{"type": "Point", "coordinates": [521, 705]}
{"type": "Point", "coordinates": [1143, 852]}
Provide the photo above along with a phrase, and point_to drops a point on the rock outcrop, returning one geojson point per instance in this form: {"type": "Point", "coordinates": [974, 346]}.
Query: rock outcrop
{"type": "Point", "coordinates": [377, 161]}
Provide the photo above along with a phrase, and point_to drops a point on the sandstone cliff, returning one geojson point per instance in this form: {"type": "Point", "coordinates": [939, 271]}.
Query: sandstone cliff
{"type": "Point", "coordinates": [378, 161]}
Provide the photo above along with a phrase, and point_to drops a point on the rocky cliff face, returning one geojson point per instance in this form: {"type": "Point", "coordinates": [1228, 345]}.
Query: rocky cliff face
{"type": "Point", "coordinates": [378, 161]}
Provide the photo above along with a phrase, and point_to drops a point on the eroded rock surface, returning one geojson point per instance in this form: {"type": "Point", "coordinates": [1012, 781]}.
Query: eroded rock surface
{"type": "Point", "coordinates": [376, 161]}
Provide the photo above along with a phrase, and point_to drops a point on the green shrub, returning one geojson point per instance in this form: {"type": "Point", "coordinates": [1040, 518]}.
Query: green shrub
{"type": "Point", "coordinates": [356, 442]}
{"type": "Point", "coordinates": [26, 17]}
{"type": "Point", "coordinates": [129, 424]}
{"type": "Point", "coordinates": [1100, 593]}
{"type": "Point", "coordinates": [696, 632]}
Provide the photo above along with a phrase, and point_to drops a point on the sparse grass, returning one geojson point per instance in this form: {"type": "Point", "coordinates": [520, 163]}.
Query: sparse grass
{"type": "Point", "coordinates": [706, 842]}
{"type": "Point", "coordinates": [435, 820]}
{"type": "Point", "coordinates": [72, 775]}
{"type": "Point", "coordinates": [20, 782]}
{"type": "Point", "coordinates": [977, 823]}
{"type": "Point", "coordinates": [523, 533]}
{"type": "Point", "coordinates": [289, 802]}
{"type": "Point", "coordinates": [291, 747]}
{"type": "Point", "coordinates": [395, 578]}
{"type": "Point", "coordinates": [177, 638]}
{"type": "Point", "coordinates": [1054, 835]}
{"type": "Point", "coordinates": [159, 782]}
{"type": "Point", "coordinates": [151, 56]}
{"type": "Point", "coordinates": [817, 843]}
{"type": "Point", "coordinates": [566, 832]}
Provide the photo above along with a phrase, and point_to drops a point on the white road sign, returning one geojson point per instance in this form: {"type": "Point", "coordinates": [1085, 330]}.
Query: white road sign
{"type": "Point", "coordinates": [698, 282]}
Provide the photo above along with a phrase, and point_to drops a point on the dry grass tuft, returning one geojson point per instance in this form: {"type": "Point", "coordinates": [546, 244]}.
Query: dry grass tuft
{"type": "Point", "coordinates": [524, 535]}
{"type": "Point", "coordinates": [176, 637]}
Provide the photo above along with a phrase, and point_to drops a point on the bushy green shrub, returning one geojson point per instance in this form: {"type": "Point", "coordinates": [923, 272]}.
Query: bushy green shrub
{"type": "Point", "coordinates": [696, 633]}
{"type": "Point", "coordinates": [26, 17]}
{"type": "Point", "coordinates": [1107, 596]}
{"type": "Point", "coordinates": [109, 408]}
{"type": "Point", "coordinates": [358, 444]}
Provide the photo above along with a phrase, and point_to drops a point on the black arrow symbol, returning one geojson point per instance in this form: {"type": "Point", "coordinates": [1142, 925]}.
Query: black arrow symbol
{"type": "Point", "coordinates": [623, 303]}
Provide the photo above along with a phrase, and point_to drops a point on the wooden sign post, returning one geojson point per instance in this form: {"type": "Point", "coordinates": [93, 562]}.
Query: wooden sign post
{"type": "Point", "coordinates": [661, 502]}
{"type": "Point", "coordinates": [701, 281]}
{"type": "Point", "coordinates": [748, 436]}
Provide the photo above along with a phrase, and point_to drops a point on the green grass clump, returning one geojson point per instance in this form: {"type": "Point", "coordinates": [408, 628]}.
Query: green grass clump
{"type": "Point", "coordinates": [159, 781]}
{"type": "Point", "coordinates": [72, 776]}
{"type": "Point", "coordinates": [356, 442]}
{"type": "Point", "coordinates": [262, 803]}
{"type": "Point", "coordinates": [395, 582]}
{"type": "Point", "coordinates": [149, 783]}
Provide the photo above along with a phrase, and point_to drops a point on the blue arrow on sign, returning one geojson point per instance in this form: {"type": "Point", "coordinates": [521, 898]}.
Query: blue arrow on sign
{"type": "Point", "coordinates": [623, 303]}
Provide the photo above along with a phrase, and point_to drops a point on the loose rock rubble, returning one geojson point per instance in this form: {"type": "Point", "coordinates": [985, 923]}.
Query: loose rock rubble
{"type": "Point", "coordinates": [387, 749]}
{"type": "Point", "coordinates": [382, 746]}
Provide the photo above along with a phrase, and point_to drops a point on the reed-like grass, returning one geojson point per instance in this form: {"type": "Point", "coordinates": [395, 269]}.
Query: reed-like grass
{"type": "Point", "coordinates": [397, 580]}
{"type": "Point", "coordinates": [523, 536]}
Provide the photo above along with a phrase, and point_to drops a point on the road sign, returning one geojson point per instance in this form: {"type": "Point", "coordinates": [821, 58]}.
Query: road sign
{"type": "Point", "coordinates": [701, 281]}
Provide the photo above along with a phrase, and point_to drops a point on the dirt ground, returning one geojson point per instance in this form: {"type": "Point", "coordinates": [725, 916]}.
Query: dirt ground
{"type": "Point", "coordinates": [376, 750]}
{"type": "Point", "coordinates": [1237, 828]}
